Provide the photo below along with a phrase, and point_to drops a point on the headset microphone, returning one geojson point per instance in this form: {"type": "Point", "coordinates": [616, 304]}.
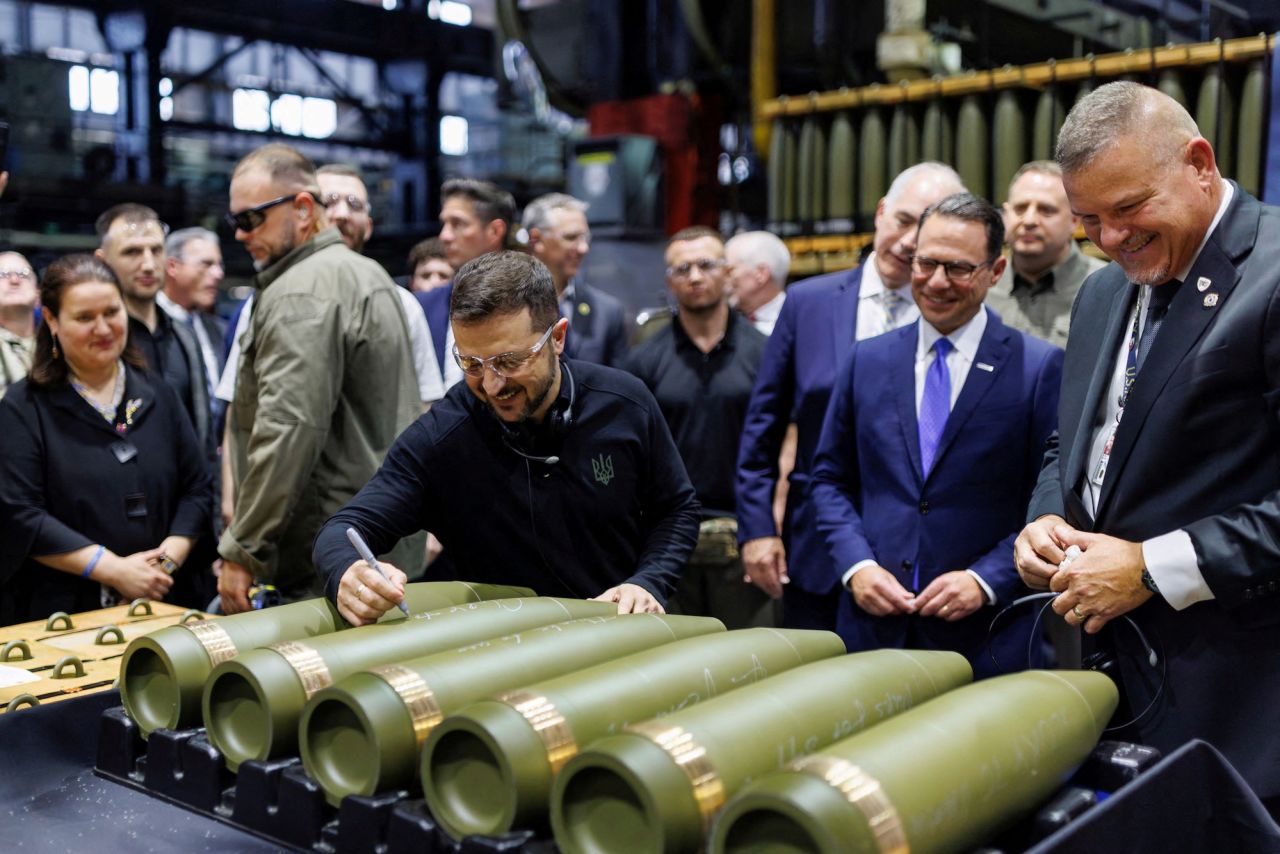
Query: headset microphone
{"type": "Point", "coordinates": [550, 461]}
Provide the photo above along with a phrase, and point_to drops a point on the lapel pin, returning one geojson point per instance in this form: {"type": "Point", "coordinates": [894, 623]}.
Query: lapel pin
{"type": "Point", "coordinates": [983, 366]}
{"type": "Point", "coordinates": [584, 309]}
{"type": "Point", "coordinates": [1210, 300]}
{"type": "Point", "coordinates": [1202, 284]}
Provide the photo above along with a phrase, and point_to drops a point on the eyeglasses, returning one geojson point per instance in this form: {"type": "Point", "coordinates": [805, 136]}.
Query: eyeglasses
{"type": "Point", "coordinates": [957, 272]}
{"type": "Point", "coordinates": [705, 265]}
{"type": "Point", "coordinates": [355, 204]}
{"type": "Point", "coordinates": [248, 220]}
{"type": "Point", "coordinates": [504, 365]}
{"type": "Point", "coordinates": [19, 273]}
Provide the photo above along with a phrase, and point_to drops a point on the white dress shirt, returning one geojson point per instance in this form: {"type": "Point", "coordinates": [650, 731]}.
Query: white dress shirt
{"type": "Point", "coordinates": [1170, 558]}
{"type": "Point", "coordinates": [208, 355]}
{"type": "Point", "coordinates": [873, 320]}
{"type": "Point", "coordinates": [765, 317]}
{"type": "Point", "coordinates": [226, 390]}
{"type": "Point", "coordinates": [961, 358]}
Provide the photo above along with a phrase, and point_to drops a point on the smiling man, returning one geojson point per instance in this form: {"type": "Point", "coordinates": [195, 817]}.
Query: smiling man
{"type": "Point", "coordinates": [1166, 469]}
{"type": "Point", "coordinates": [1046, 267]}
{"type": "Point", "coordinates": [571, 484]}
{"type": "Point", "coordinates": [931, 446]}
{"type": "Point", "coordinates": [819, 321]}
{"type": "Point", "coordinates": [307, 424]}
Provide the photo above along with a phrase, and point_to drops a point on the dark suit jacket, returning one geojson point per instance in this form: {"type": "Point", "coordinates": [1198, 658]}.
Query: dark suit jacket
{"type": "Point", "coordinates": [815, 330]}
{"type": "Point", "coordinates": [1198, 448]}
{"type": "Point", "coordinates": [216, 328]}
{"type": "Point", "coordinates": [597, 327]}
{"type": "Point", "coordinates": [435, 304]}
{"type": "Point", "coordinates": [872, 501]}
{"type": "Point", "coordinates": [63, 487]}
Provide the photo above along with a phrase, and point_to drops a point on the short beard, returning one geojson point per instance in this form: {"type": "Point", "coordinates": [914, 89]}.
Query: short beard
{"type": "Point", "coordinates": [1158, 276]}
{"type": "Point", "coordinates": [288, 247]}
{"type": "Point", "coordinates": [535, 401]}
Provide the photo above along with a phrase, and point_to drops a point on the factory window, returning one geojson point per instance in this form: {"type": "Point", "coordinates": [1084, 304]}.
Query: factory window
{"type": "Point", "coordinates": [319, 117]}
{"type": "Point", "coordinates": [166, 99]}
{"type": "Point", "coordinates": [286, 114]}
{"type": "Point", "coordinates": [250, 109]}
{"type": "Point", "coordinates": [453, 135]}
{"type": "Point", "coordinates": [450, 12]}
{"type": "Point", "coordinates": [95, 89]}
{"type": "Point", "coordinates": [253, 109]}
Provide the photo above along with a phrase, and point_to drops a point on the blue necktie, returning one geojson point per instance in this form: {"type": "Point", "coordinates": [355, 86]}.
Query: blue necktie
{"type": "Point", "coordinates": [935, 405]}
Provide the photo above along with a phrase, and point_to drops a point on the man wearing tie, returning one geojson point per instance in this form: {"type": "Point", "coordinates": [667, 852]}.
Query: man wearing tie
{"type": "Point", "coordinates": [1166, 469]}
{"type": "Point", "coordinates": [819, 321]}
{"type": "Point", "coordinates": [930, 449]}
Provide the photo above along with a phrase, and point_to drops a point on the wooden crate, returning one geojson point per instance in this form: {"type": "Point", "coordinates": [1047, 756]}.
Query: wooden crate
{"type": "Point", "coordinates": [39, 630]}
{"type": "Point", "coordinates": [96, 641]}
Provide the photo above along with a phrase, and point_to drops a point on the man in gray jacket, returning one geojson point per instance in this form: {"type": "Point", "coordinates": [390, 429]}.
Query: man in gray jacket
{"type": "Point", "coordinates": [326, 380]}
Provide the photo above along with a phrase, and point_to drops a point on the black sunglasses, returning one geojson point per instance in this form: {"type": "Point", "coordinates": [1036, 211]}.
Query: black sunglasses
{"type": "Point", "coordinates": [248, 220]}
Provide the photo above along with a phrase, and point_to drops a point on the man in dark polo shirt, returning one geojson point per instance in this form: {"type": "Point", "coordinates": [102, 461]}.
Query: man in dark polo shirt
{"type": "Point", "coordinates": [701, 368]}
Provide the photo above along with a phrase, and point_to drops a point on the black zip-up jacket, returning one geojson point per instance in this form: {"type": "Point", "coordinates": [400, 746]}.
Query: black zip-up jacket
{"type": "Point", "coordinates": [616, 507]}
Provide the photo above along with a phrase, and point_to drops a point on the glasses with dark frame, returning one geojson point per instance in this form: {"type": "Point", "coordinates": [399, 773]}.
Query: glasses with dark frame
{"type": "Point", "coordinates": [251, 218]}
{"type": "Point", "coordinates": [505, 365]}
{"type": "Point", "coordinates": [957, 272]}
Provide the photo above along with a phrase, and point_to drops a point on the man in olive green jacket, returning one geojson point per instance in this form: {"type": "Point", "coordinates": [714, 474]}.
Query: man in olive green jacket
{"type": "Point", "coordinates": [326, 380]}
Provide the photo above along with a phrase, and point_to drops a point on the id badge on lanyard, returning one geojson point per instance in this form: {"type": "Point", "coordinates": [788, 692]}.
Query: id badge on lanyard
{"type": "Point", "coordinates": [1130, 374]}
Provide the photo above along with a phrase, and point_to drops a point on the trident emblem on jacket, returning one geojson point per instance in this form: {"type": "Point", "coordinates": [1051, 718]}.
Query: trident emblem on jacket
{"type": "Point", "coordinates": [602, 467]}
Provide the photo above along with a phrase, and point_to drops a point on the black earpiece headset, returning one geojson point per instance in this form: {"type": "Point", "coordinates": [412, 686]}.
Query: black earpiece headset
{"type": "Point", "coordinates": [559, 422]}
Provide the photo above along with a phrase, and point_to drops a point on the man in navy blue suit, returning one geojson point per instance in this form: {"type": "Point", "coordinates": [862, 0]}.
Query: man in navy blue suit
{"type": "Point", "coordinates": [820, 320]}
{"type": "Point", "coordinates": [930, 449]}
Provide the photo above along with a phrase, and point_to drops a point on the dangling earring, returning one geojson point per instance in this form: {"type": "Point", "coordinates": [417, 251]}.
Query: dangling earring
{"type": "Point", "coordinates": [55, 346]}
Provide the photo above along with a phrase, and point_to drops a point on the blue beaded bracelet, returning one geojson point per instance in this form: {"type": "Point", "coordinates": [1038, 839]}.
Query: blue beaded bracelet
{"type": "Point", "coordinates": [97, 556]}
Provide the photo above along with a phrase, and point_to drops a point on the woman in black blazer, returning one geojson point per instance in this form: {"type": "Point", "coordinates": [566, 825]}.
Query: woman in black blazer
{"type": "Point", "coordinates": [103, 488]}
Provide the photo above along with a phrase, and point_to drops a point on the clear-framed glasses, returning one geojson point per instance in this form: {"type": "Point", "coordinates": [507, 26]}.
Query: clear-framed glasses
{"type": "Point", "coordinates": [957, 272]}
{"type": "Point", "coordinates": [22, 273]}
{"type": "Point", "coordinates": [251, 218]}
{"type": "Point", "coordinates": [355, 204]}
{"type": "Point", "coordinates": [504, 365]}
{"type": "Point", "coordinates": [705, 265]}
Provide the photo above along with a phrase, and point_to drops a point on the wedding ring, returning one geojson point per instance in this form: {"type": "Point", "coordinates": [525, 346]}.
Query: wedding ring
{"type": "Point", "coordinates": [944, 609]}
{"type": "Point", "coordinates": [1080, 615]}
{"type": "Point", "coordinates": [360, 592]}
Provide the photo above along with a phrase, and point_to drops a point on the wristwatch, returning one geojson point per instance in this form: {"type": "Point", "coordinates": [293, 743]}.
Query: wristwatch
{"type": "Point", "coordinates": [1149, 582]}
